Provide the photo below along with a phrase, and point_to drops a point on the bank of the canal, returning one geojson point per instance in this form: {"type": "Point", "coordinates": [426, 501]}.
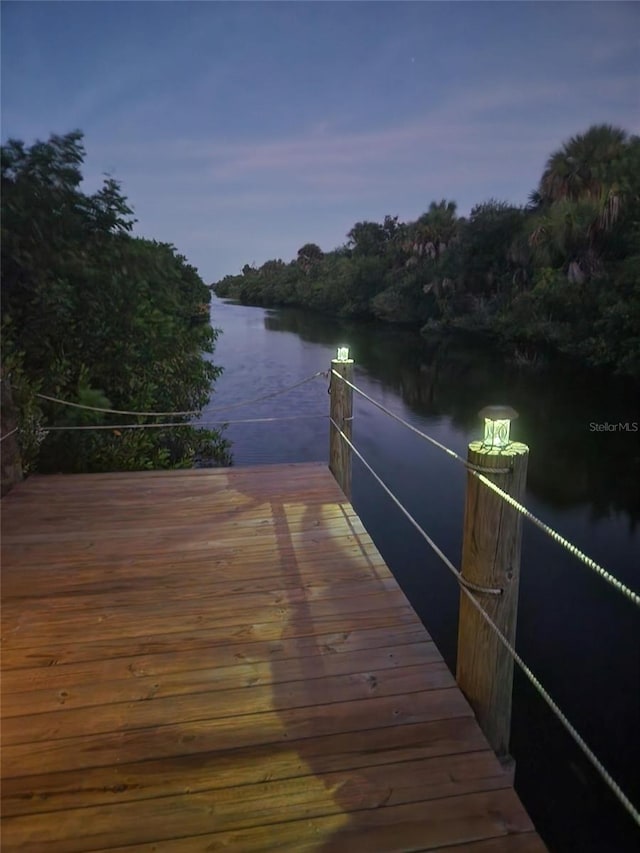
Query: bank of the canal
{"type": "Point", "coordinates": [575, 632]}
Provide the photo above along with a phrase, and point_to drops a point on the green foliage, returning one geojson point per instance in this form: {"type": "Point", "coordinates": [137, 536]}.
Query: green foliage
{"type": "Point", "coordinates": [560, 275]}
{"type": "Point", "coordinates": [487, 259]}
{"type": "Point", "coordinates": [31, 432]}
{"type": "Point", "coordinates": [309, 256]}
{"type": "Point", "coordinates": [436, 229]}
{"type": "Point", "coordinates": [367, 239]}
{"type": "Point", "coordinates": [587, 166]}
{"type": "Point", "coordinates": [96, 317]}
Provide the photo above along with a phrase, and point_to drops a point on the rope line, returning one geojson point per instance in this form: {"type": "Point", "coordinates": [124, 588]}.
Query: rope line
{"type": "Point", "coordinates": [605, 575]}
{"type": "Point", "coordinates": [473, 469]}
{"type": "Point", "coordinates": [198, 425]}
{"type": "Point", "coordinates": [532, 678]}
{"type": "Point", "coordinates": [397, 417]}
{"type": "Point", "coordinates": [557, 537]}
{"type": "Point", "coordinates": [190, 412]}
{"type": "Point", "coordinates": [269, 420]}
{"type": "Point", "coordinates": [458, 576]}
{"type": "Point", "coordinates": [467, 589]}
{"type": "Point", "coordinates": [417, 431]}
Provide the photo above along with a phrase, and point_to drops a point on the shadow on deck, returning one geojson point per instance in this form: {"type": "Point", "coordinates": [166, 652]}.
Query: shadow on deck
{"type": "Point", "coordinates": [220, 659]}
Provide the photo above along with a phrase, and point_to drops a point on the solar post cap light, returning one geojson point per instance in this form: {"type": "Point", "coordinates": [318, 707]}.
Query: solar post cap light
{"type": "Point", "coordinates": [497, 423]}
{"type": "Point", "coordinates": [343, 354]}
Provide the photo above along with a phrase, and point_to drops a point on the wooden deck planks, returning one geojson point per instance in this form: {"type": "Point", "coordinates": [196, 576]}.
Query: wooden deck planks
{"type": "Point", "coordinates": [205, 660]}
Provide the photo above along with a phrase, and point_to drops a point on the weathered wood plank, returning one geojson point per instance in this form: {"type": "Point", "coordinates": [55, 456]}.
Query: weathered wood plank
{"type": "Point", "coordinates": [112, 624]}
{"type": "Point", "coordinates": [184, 584]}
{"type": "Point", "coordinates": [221, 660]}
{"type": "Point", "coordinates": [237, 807]}
{"type": "Point", "coordinates": [233, 566]}
{"type": "Point", "coordinates": [206, 735]}
{"type": "Point", "coordinates": [339, 647]}
{"type": "Point", "coordinates": [57, 609]}
{"type": "Point", "coordinates": [208, 770]}
{"type": "Point", "coordinates": [392, 829]}
{"type": "Point", "coordinates": [58, 650]}
{"type": "Point", "coordinates": [316, 694]}
{"type": "Point", "coordinates": [207, 558]}
{"type": "Point", "coordinates": [133, 686]}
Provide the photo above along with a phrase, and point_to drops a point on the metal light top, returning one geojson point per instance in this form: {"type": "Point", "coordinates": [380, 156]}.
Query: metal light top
{"type": "Point", "coordinates": [343, 354]}
{"type": "Point", "coordinates": [498, 413]}
{"type": "Point", "coordinates": [497, 423]}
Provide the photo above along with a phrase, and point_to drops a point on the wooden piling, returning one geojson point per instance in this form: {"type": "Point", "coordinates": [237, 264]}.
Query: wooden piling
{"type": "Point", "coordinates": [341, 412]}
{"type": "Point", "coordinates": [491, 559]}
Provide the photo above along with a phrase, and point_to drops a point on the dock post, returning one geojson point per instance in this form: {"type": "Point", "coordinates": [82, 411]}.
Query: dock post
{"type": "Point", "coordinates": [491, 559]}
{"type": "Point", "coordinates": [341, 412]}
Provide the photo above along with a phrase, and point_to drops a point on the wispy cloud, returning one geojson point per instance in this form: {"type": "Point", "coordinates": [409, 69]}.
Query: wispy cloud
{"type": "Point", "coordinates": [474, 131]}
{"type": "Point", "coordinates": [240, 131]}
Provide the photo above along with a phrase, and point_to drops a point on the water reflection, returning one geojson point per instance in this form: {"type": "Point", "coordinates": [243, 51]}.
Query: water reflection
{"type": "Point", "coordinates": [577, 634]}
{"type": "Point", "coordinates": [572, 463]}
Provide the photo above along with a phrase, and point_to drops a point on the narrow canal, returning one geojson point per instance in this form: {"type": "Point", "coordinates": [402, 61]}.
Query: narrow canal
{"type": "Point", "coordinates": [576, 633]}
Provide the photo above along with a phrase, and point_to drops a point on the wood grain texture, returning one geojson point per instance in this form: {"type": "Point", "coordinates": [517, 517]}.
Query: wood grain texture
{"type": "Point", "coordinates": [491, 558]}
{"type": "Point", "coordinates": [221, 660]}
{"type": "Point", "coordinates": [341, 413]}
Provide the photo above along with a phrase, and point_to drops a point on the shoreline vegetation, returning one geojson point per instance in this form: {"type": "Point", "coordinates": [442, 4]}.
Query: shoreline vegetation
{"type": "Point", "coordinates": [96, 317]}
{"type": "Point", "coordinates": [557, 277]}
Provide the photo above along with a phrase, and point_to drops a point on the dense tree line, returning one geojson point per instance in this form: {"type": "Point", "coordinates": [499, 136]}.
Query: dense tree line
{"type": "Point", "coordinates": [559, 275]}
{"type": "Point", "coordinates": [96, 317]}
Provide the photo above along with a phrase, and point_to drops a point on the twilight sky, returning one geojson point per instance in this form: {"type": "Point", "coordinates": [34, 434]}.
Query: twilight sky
{"type": "Point", "coordinates": [240, 131]}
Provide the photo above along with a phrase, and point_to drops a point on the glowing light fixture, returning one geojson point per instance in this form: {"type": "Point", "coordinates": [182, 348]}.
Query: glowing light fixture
{"type": "Point", "coordinates": [497, 423]}
{"type": "Point", "coordinates": [343, 354]}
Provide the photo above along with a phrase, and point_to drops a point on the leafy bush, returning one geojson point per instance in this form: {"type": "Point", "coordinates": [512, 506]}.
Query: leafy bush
{"type": "Point", "coordinates": [96, 317]}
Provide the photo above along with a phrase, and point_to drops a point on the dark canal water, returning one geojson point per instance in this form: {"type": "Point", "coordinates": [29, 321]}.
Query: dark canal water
{"type": "Point", "coordinates": [576, 633]}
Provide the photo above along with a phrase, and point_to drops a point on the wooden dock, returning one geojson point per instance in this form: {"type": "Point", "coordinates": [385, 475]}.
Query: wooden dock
{"type": "Point", "coordinates": [220, 660]}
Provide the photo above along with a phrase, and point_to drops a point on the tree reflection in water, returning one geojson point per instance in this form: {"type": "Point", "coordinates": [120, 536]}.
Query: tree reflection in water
{"type": "Point", "coordinates": [571, 464]}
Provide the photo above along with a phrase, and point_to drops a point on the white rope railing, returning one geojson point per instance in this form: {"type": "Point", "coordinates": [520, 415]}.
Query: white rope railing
{"type": "Point", "coordinates": [398, 418]}
{"type": "Point", "coordinates": [605, 575]}
{"type": "Point", "coordinates": [198, 425]}
{"type": "Point", "coordinates": [557, 537]}
{"type": "Point", "coordinates": [467, 588]}
{"type": "Point", "coordinates": [458, 576]}
{"type": "Point", "coordinates": [9, 434]}
{"type": "Point", "coordinates": [570, 728]}
{"type": "Point", "coordinates": [188, 413]}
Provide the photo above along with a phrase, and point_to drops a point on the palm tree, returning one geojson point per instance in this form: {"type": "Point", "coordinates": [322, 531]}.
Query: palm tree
{"type": "Point", "coordinates": [584, 190]}
{"type": "Point", "coordinates": [435, 229]}
{"type": "Point", "coordinates": [309, 256]}
{"type": "Point", "coordinates": [586, 167]}
{"type": "Point", "coordinates": [567, 235]}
